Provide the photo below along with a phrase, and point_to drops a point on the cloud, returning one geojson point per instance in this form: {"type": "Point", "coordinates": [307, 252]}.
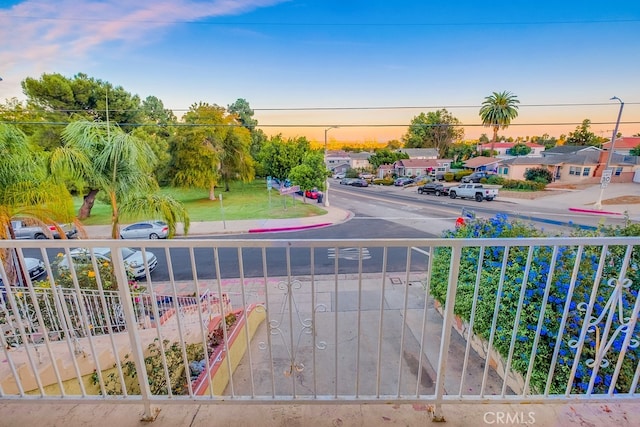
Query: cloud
{"type": "Point", "coordinates": [39, 35]}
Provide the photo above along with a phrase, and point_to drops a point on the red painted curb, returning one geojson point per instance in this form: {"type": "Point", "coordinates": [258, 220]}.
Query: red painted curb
{"type": "Point", "coordinates": [593, 211]}
{"type": "Point", "coordinates": [302, 227]}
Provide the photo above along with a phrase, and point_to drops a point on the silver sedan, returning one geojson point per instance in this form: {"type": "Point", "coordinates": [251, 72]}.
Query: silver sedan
{"type": "Point", "coordinates": [145, 230]}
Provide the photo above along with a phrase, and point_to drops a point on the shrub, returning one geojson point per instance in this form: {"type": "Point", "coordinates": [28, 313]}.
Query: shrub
{"type": "Point", "coordinates": [461, 174]}
{"type": "Point", "coordinates": [538, 175]}
{"type": "Point", "coordinates": [570, 282]}
{"type": "Point", "coordinates": [448, 176]}
{"type": "Point", "coordinates": [383, 181]}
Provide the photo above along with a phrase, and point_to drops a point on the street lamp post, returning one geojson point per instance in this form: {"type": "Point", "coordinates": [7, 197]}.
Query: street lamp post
{"type": "Point", "coordinates": [606, 175]}
{"type": "Point", "coordinates": [326, 178]}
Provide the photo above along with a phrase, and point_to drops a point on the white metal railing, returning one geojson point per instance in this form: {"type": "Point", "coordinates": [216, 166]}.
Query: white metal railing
{"type": "Point", "coordinates": [537, 320]}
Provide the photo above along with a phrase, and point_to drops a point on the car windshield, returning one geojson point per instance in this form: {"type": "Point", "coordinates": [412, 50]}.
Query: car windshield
{"type": "Point", "coordinates": [127, 252]}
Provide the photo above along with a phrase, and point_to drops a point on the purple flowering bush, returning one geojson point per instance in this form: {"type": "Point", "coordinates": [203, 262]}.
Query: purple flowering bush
{"type": "Point", "coordinates": [559, 280]}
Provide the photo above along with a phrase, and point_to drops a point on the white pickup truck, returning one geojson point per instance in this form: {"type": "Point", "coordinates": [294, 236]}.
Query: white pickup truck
{"type": "Point", "coordinates": [479, 192]}
{"type": "Point", "coordinates": [25, 231]}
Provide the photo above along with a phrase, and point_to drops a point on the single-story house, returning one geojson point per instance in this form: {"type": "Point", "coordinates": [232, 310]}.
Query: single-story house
{"type": "Point", "coordinates": [622, 145]}
{"type": "Point", "coordinates": [385, 170]}
{"type": "Point", "coordinates": [482, 163]}
{"type": "Point", "coordinates": [570, 149]}
{"type": "Point", "coordinates": [420, 153]}
{"type": "Point", "coordinates": [502, 148]}
{"type": "Point", "coordinates": [415, 167]}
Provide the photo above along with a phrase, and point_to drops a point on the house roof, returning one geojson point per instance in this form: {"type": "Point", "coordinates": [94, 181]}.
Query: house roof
{"type": "Point", "coordinates": [363, 155]}
{"type": "Point", "coordinates": [624, 143]}
{"type": "Point", "coordinates": [422, 163]}
{"type": "Point", "coordinates": [419, 152]}
{"type": "Point", "coordinates": [508, 145]}
{"type": "Point", "coordinates": [586, 158]}
{"type": "Point", "coordinates": [569, 149]}
{"type": "Point", "coordinates": [476, 162]}
{"type": "Point", "coordinates": [386, 167]}
{"type": "Point", "coordinates": [338, 153]}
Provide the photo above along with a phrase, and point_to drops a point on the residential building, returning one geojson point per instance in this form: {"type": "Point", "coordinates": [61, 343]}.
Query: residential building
{"type": "Point", "coordinates": [415, 167]}
{"type": "Point", "coordinates": [420, 153]}
{"type": "Point", "coordinates": [623, 145]}
{"type": "Point", "coordinates": [482, 163]}
{"type": "Point", "coordinates": [502, 148]}
{"type": "Point", "coordinates": [570, 149]}
{"type": "Point", "coordinates": [360, 160]}
{"type": "Point", "coordinates": [336, 161]}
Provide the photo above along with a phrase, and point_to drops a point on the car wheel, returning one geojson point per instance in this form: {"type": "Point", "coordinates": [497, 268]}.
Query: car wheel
{"type": "Point", "coordinates": [153, 236]}
{"type": "Point", "coordinates": [452, 194]}
{"type": "Point", "coordinates": [40, 236]}
{"type": "Point", "coordinates": [479, 197]}
{"type": "Point", "coordinates": [437, 193]}
{"type": "Point", "coordinates": [489, 199]}
{"type": "Point", "coordinates": [419, 190]}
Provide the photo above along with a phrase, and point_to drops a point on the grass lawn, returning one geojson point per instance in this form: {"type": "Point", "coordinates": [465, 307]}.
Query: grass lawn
{"type": "Point", "coordinates": [243, 201]}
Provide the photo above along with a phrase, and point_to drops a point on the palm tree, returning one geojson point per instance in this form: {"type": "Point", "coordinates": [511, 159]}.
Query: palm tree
{"type": "Point", "coordinates": [97, 157]}
{"type": "Point", "coordinates": [27, 191]}
{"type": "Point", "coordinates": [497, 111]}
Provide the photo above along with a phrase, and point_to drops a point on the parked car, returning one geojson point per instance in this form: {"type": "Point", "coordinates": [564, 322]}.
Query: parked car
{"type": "Point", "coordinates": [133, 259]}
{"type": "Point", "coordinates": [401, 182]}
{"type": "Point", "coordinates": [22, 230]}
{"type": "Point", "coordinates": [35, 267]}
{"type": "Point", "coordinates": [369, 177]}
{"type": "Point", "coordinates": [473, 191]}
{"type": "Point", "coordinates": [145, 230]}
{"type": "Point", "coordinates": [435, 188]}
{"type": "Point", "coordinates": [339, 175]}
{"type": "Point", "coordinates": [359, 182]}
{"type": "Point", "coordinates": [312, 194]}
{"type": "Point", "coordinates": [476, 177]}
{"type": "Point", "coordinates": [347, 181]}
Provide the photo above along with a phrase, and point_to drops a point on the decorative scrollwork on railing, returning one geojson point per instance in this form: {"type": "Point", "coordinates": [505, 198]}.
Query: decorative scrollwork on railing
{"type": "Point", "coordinates": [290, 305]}
{"type": "Point", "coordinates": [603, 344]}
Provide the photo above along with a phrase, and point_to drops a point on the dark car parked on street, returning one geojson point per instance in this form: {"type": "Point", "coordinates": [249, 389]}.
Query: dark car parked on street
{"type": "Point", "coordinates": [435, 188]}
{"type": "Point", "coordinates": [359, 182]}
{"type": "Point", "coordinates": [476, 177]}
{"type": "Point", "coordinates": [401, 182]}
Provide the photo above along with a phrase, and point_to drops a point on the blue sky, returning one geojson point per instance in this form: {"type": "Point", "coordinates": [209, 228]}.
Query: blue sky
{"type": "Point", "coordinates": [307, 65]}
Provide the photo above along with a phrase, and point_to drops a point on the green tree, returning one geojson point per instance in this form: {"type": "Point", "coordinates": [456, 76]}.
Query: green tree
{"type": "Point", "coordinates": [312, 173]}
{"type": "Point", "coordinates": [244, 114]}
{"type": "Point", "coordinates": [583, 135]}
{"type": "Point", "coordinates": [393, 144]}
{"type": "Point", "coordinates": [97, 157]}
{"type": "Point", "coordinates": [520, 149]}
{"type": "Point", "coordinates": [27, 190]}
{"type": "Point", "coordinates": [195, 149]}
{"type": "Point", "coordinates": [436, 129]}
{"type": "Point", "coordinates": [497, 112]}
{"type": "Point", "coordinates": [635, 151]}
{"type": "Point", "coordinates": [278, 156]}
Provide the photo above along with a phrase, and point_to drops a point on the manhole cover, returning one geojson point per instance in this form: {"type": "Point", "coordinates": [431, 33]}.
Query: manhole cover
{"type": "Point", "coordinates": [395, 281]}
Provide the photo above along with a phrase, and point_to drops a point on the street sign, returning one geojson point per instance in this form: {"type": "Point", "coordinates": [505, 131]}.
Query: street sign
{"type": "Point", "coordinates": [606, 177]}
{"type": "Point", "coordinates": [289, 190]}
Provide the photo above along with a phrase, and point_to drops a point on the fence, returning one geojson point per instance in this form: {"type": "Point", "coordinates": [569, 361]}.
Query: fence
{"type": "Point", "coordinates": [292, 321]}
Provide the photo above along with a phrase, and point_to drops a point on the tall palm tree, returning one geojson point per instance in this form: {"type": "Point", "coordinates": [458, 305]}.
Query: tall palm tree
{"type": "Point", "coordinates": [497, 111]}
{"type": "Point", "coordinates": [27, 191]}
{"type": "Point", "coordinates": [96, 157]}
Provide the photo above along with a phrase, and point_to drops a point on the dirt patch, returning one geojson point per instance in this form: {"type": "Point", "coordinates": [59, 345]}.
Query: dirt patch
{"type": "Point", "coordinates": [528, 195]}
{"type": "Point", "coordinates": [622, 200]}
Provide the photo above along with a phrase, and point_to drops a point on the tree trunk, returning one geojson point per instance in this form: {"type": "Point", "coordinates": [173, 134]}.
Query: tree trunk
{"type": "Point", "coordinates": [87, 204]}
{"type": "Point", "coordinates": [212, 192]}
{"type": "Point", "coordinates": [493, 141]}
{"type": "Point", "coordinates": [226, 185]}
{"type": "Point", "coordinates": [115, 216]}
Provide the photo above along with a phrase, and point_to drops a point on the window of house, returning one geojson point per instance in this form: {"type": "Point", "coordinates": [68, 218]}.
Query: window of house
{"type": "Point", "coordinates": [575, 170]}
{"type": "Point", "coordinates": [586, 171]}
{"type": "Point", "coordinates": [618, 171]}
{"type": "Point", "coordinates": [504, 170]}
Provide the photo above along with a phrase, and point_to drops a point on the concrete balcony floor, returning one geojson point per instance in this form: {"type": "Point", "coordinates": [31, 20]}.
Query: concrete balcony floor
{"type": "Point", "coordinates": [267, 415]}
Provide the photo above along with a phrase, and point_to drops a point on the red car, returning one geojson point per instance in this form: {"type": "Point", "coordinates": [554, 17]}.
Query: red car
{"type": "Point", "coordinates": [312, 194]}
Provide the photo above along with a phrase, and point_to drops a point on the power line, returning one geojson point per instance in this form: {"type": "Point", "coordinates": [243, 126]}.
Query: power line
{"type": "Point", "coordinates": [355, 108]}
{"type": "Point", "coordinates": [314, 125]}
